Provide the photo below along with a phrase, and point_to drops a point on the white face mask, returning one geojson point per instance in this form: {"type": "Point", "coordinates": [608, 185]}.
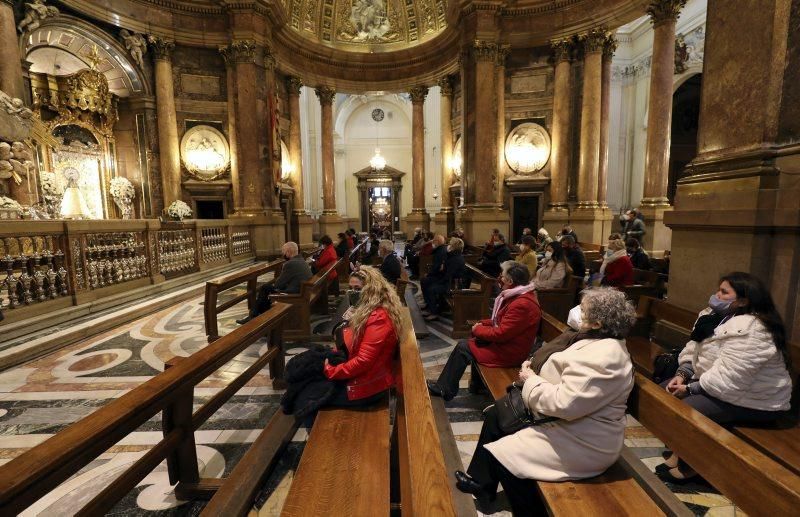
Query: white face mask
{"type": "Point", "coordinates": [548, 255]}
{"type": "Point", "coordinates": [574, 319]}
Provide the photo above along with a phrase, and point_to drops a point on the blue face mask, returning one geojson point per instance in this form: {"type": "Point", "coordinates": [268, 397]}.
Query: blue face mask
{"type": "Point", "coordinates": [719, 306]}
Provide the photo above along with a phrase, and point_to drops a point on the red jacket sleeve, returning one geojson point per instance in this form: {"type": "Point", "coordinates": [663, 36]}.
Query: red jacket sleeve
{"type": "Point", "coordinates": [378, 333]}
{"type": "Point", "coordinates": [617, 272]}
{"type": "Point", "coordinates": [324, 259]}
{"type": "Point", "coordinates": [515, 321]}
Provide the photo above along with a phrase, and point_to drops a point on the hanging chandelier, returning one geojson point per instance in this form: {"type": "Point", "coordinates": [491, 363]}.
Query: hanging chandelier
{"type": "Point", "coordinates": [377, 162]}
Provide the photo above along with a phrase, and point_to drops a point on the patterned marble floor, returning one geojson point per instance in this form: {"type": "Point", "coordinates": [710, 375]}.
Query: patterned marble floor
{"type": "Point", "coordinates": [44, 396]}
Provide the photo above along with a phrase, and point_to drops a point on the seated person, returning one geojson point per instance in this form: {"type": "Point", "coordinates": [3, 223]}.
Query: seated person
{"type": "Point", "coordinates": [439, 280]}
{"type": "Point", "coordinates": [326, 257]}
{"type": "Point", "coordinates": [493, 238]}
{"type": "Point", "coordinates": [418, 235]}
{"type": "Point", "coordinates": [422, 248]}
{"type": "Point", "coordinates": [526, 254]}
{"type": "Point", "coordinates": [496, 253]}
{"type": "Point", "coordinates": [542, 240]}
{"type": "Point", "coordinates": [565, 231]}
{"type": "Point", "coordinates": [294, 272]}
{"type": "Point", "coordinates": [371, 339]}
{"type": "Point", "coordinates": [555, 269]}
{"type": "Point", "coordinates": [735, 368]}
{"type": "Point", "coordinates": [574, 254]}
{"type": "Point", "coordinates": [459, 234]}
{"type": "Point", "coordinates": [349, 236]}
{"type": "Point", "coordinates": [341, 246]}
{"type": "Point", "coordinates": [616, 269]}
{"type": "Point", "coordinates": [525, 231]}
{"type": "Point", "coordinates": [372, 249]}
{"type": "Point", "coordinates": [503, 340]}
{"type": "Point", "coordinates": [390, 266]}
{"type": "Point", "coordinates": [638, 257]}
{"type": "Point", "coordinates": [585, 387]}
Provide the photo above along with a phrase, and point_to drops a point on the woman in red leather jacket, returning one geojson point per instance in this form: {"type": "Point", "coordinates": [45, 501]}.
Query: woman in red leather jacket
{"type": "Point", "coordinates": [372, 343]}
{"type": "Point", "coordinates": [327, 257]}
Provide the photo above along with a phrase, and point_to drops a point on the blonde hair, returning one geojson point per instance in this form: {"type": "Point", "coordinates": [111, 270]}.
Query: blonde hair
{"type": "Point", "coordinates": [377, 292]}
{"type": "Point", "coordinates": [616, 244]}
{"type": "Point", "coordinates": [456, 244]}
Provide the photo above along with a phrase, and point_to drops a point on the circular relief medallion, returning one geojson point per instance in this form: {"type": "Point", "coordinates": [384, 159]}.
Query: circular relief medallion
{"type": "Point", "coordinates": [205, 153]}
{"type": "Point", "coordinates": [527, 148]}
{"type": "Point", "coordinates": [378, 114]}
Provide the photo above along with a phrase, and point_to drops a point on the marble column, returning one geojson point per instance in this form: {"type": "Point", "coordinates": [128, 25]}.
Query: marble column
{"type": "Point", "coordinates": [273, 141]}
{"type": "Point", "coordinates": [737, 205]}
{"type": "Point", "coordinates": [443, 221]}
{"type": "Point", "coordinates": [587, 219]}
{"type": "Point", "coordinates": [500, 75]}
{"type": "Point", "coordinates": [230, 70]}
{"type": "Point", "coordinates": [168, 144]}
{"type": "Point", "coordinates": [10, 66]}
{"type": "Point", "coordinates": [557, 210]}
{"type": "Point", "coordinates": [330, 221]}
{"type": "Point", "coordinates": [418, 216]}
{"type": "Point", "coordinates": [654, 204]}
{"type": "Point", "coordinates": [301, 222]}
{"type": "Point", "coordinates": [609, 46]}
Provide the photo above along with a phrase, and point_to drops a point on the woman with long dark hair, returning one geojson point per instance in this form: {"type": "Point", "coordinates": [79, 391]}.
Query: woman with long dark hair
{"type": "Point", "coordinates": [735, 369]}
{"type": "Point", "coordinates": [555, 268]}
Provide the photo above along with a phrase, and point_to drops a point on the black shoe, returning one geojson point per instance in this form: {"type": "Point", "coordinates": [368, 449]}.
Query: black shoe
{"type": "Point", "coordinates": [468, 485]}
{"type": "Point", "coordinates": [434, 389]}
{"type": "Point", "coordinates": [244, 320]}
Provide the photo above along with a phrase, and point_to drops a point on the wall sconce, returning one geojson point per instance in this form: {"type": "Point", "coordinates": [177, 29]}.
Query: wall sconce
{"type": "Point", "coordinates": [527, 148]}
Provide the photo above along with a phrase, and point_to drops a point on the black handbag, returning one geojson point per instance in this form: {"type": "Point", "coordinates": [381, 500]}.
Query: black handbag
{"type": "Point", "coordinates": [513, 415]}
{"type": "Point", "coordinates": [664, 366]}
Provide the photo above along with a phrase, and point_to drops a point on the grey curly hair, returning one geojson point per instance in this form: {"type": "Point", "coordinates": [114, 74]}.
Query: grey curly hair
{"type": "Point", "coordinates": [609, 308]}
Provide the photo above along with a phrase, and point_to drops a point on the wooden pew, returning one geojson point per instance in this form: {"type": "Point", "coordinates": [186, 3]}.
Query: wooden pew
{"type": "Point", "coordinates": [646, 283]}
{"type": "Point", "coordinates": [401, 285]}
{"type": "Point", "coordinates": [30, 476]}
{"type": "Point", "coordinates": [214, 287]}
{"type": "Point", "coordinates": [471, 304]}
{"type": "Point", "coordinates": [626, 488]}
{"type": "Point", "coordinates": [313, 297]}
{"type": "Point", "coordinates": [558, 301]}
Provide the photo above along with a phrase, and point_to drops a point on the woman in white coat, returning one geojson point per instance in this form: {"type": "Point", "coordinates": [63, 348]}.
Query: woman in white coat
{"type": "Point", "coordinates": [735, 368]}
{"type": "Point", "coordinates": [586, 386]}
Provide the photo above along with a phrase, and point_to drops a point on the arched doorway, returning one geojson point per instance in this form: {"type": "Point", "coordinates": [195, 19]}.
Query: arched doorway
{"type": "Point", "coordinates": [685, 118]}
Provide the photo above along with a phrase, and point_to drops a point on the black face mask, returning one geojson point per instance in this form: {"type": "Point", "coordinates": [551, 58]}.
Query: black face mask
{"type": "Point", "coordinates": [353, 296]}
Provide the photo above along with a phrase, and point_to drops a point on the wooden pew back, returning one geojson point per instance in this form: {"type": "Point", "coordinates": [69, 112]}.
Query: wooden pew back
{"type": "Point", "coordinates": [471, 304]}
{"type": "Point", "coordinates": [36, 472]}
{"type": "Point", "coordinates": [313, 296]}
{"type": "Point", "coordinates": [560, 300]}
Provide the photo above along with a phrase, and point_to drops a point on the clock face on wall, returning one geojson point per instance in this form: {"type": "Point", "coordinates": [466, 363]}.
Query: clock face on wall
{"type": "Point", "coordinates": [378, 114]}
{"type": "Point", "coordinates": [205, 153]}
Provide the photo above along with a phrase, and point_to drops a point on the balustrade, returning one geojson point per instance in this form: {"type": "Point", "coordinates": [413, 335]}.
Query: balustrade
{"type": "Point", "coordinates": [114, 258]}
{"type": "Point", "coordinates": [176, 251]}
{"type": "Point", "coordinates": [34, 270]}
{"type": "Point", "coordinates": [240, 242]}
{"type": "Point", "coordinates": [214, 244]}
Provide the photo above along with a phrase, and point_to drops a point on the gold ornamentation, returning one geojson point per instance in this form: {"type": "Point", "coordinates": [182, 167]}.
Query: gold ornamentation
{"type": "Point", "coordinates": [243, 51]}
{"type": "Point", "coordinates": [665, 10]}
{"type": "Point", "coordinates": [594, 40]}
{"type": "Point", "coordinates": [294, 84]}
{"type": "Point", "coordinates": [418, 94]}
{"type": "Point", "coordinates": [562, 49]}
{"type": "Point", "coordinates": [162, 48]}
{"type": "Point", "coordinates": [609, 46]}
{"type": "Point", "coordinates": [446, 86]}
{"type": "Point", "coordinates": [484, 50]}
{"type": "Point", "coordinates": [325, 95]}
{"type": "Point", "coordinates": [502, 53]}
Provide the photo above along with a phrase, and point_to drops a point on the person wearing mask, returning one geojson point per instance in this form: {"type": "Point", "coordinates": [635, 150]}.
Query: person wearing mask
{"type": "Point", "coordinates": [495, 254]}
{"type": "Point", "coordinates": [349, 236]}
{"type": "Point", "coordinates": [372, 339]}
{"type": "Point", "coordinates": [501, 341]}
{"type": "Point", "coordinates": [391, 269]}
{"type": "Point", "coordinates": [409, 249]}
{"type": "Point", "coordinates": [575, 256]}
{"type": "Point", "coordinates": [526, 254]}
{"type": "Point", "coordinates": [525, 231]}
{"type": "Point", "coordinates": [294, 272]}
{"type": "Point", "coordinates": [567, 231]}
{"type": "Point", "coordinates": [584, 386]}
{"type": "Point", "coordinates": [638, 257]}
{"type": "Point", "coordinates": [493, 237]}
{"type": "Point", "coordinates": [439, 280]}
{"type": "Point", "coordinates": [542, 240]}
{"type": "Point", "coordinates": [632, 225]}
{"type": "Point", "coordinates": [327, 257]}
{"type": "Point", "coordinates": [735, 368]}
{"type": "Point", "coordinates": [341, 246]}
{"type": "Point", "coordinates": [555, 269]}
{"type": "Point", "coordinates": [616, 269]}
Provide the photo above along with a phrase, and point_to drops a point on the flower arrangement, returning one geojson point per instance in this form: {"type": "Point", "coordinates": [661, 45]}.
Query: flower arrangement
{"type": "Point", "coordinates": [48, 183]}
{"type": "Point", "coordinates": [122, 188]}
{"type": "Point", "coordinates": [179, 210]}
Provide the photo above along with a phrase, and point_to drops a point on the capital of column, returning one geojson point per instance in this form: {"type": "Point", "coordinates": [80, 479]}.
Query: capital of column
{"type": "Point", "coordinates": [418, 94]}
{"type": "Point", "coordinates": [562, 49]}
{"type": "Point", "coordinates": [609, 46]}
{"type": "Point", "coordinates": [594, 40]}
{"type": "Point", "coordinates": [502, 53]}
{"type": "Point", "coordinates": [269, 59]}
{"type": "Point", "coordinates": [325, 95]}
{"type": "Point", "coordinates": [241, 51]}
{"type": "Point", "coordinates": [661, 11]}
{"type": "Point", "coordinates": [162, 48]}
{"type": "Point", "coordinates": [446, 86]}
{"type": "Point", "coordinates": [483, 50]}
{"type": "Point", "coordinates": [293, 84]}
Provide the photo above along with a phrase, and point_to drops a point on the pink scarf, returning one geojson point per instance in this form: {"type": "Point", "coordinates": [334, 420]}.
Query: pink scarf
{"type": "Point", "coordinates": [508, 294]}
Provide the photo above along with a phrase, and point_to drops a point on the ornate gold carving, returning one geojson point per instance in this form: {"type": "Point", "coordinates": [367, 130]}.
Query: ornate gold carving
{"type": "Point", "coordinates": [446, 86]}
{"type": "Point", "coordinates": [665, 10]}
{"type": "Point", "coordinates": [243, 51]}
{"type": "Point", "coordinates": [418, 94]}
{"type": "Point", "coordinates": [162, 48]}
{"type": "Point", "coordinates": [594, 40]}
{"type": "Point", "coordinates": [325, 95]}
{"type": "Point", "coordinates": [294, 84]}
{"type": "Point", "coordinates": [484, 50]}
{"type": "Point", "coordinates": [609, 46]}
{"type": "Point", "coordinates": [562, 49]}
{"type": "Point", "coordinates": [368, 21]}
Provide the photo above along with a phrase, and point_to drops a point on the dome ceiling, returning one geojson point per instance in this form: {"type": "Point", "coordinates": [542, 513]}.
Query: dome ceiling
{"type": "Point", "coordinates": [367, 25]}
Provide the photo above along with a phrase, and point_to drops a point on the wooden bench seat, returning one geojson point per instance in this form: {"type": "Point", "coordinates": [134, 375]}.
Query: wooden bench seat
{"type": "Point", "coordinates": [558, 301]}
{"type": "Point", "coordinates": [344, 469]}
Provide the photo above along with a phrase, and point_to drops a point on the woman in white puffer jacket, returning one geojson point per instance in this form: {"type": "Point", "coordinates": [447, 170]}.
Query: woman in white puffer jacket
{"type": "Point", "coordinates": [734, 369]}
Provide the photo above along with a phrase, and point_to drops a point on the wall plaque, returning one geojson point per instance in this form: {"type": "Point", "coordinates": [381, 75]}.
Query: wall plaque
{"type": "Point", "coordinates": [533, 83]}
{"type": "Point", "coordinates": [200, 84]}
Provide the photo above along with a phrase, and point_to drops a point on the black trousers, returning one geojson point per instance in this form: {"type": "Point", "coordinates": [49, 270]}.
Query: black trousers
{"type": "Point", "coordinates": [488, 472]}
{"type": "Point", "coordinates": [339, 399]}
{"type": "Point", "coordinates": [726, 414]}
{"type": "Point", "coordinates": [263, 303]}
{"type": "Point", "coordinates": [454, 369]}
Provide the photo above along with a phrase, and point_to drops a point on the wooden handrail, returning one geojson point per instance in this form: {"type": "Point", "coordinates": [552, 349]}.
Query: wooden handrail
{"type": "Point", "coordinates": [30, 476]}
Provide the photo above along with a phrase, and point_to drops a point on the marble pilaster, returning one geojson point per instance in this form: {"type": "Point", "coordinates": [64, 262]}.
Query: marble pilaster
{"type": "Point", "coordinates": [168, 144]}
{"type": "Point", "coordinates": [419, 216]}
{"type": "Point", "coordinates": [443, 220]}
{"type": "Point", "coordinates": [556, 214]}
{"type": "Point", "coordinates": [301, 221]}
{"type": "Point", "coordinates": [500, 74]}
{"type": "Point", "coordinates": [330, 222]}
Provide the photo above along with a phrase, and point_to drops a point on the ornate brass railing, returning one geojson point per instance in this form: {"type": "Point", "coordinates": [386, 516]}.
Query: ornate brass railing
{"type": "Point", "coordinates": [54, 264]}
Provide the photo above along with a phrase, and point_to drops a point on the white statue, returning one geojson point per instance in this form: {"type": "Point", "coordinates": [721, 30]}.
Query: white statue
{"type": "Point", "coordinates": [35, 12]}
{"type": "Point", "coordinates": [14, 106]}
{"type": "Point", "coordinates": [136, 45]}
